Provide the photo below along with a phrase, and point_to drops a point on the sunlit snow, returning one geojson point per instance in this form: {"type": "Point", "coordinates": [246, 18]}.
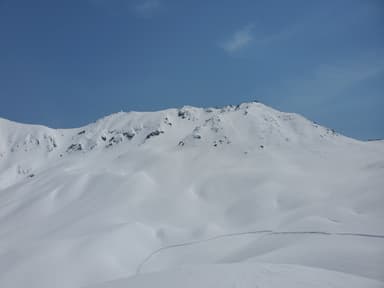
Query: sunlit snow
{"type": "Point", "coordinates": [242, 196]}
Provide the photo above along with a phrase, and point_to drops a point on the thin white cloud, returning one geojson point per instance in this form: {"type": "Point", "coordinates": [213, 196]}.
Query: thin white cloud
{"type": "Point", "coordinates": [238, 40]}
{"type": "Point", "coordinates": [247, 36]}
{"type": "Point", "coordinates": [326, 82]}
{"type": "Point", "coordinates": [146, 8]}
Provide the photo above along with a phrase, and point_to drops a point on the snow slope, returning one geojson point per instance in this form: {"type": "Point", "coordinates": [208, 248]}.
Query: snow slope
{"type": "Point", "coordinates": [242, 196]}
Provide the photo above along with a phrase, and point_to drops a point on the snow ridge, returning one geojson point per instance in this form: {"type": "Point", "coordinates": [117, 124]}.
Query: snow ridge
{"type": "Point", "coordinates": [243, 126]}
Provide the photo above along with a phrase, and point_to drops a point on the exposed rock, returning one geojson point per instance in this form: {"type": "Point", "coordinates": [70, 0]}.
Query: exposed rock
{"type": "Point", "coordinates": [74, 147]}
{"type": "Point", "coordinates": [128, 135]}
{"type": "Point", "coordinates": [154, 133]}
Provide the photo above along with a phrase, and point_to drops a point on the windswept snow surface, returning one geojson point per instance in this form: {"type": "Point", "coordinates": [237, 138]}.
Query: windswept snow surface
{"type": "Point", "coordinates": [243, 196]}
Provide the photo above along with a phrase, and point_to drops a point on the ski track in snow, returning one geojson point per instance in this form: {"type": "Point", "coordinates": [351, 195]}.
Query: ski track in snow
{"type": "Point", "coordinates": [258, 232]}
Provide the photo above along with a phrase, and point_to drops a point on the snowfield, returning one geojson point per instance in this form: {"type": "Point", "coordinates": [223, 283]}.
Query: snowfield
{"type": "Point", "coordinates": [242, 196]}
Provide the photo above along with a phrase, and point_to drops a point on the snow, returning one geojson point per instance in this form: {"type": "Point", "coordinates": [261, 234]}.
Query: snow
{"type": "Point", "coordinates": [244, 276]}
{"type": "Point", "coordinates": [242, 196]}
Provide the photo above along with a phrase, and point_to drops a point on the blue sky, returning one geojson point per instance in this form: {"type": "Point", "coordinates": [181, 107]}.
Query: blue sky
{"type": "Point", "coordinates": [68, 63]}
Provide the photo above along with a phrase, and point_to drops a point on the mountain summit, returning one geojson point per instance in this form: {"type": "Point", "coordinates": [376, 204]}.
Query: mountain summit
{"type": "Point", "coordinates": [242, 196]}
{"type": "Point", "coordinates": [242, 128]}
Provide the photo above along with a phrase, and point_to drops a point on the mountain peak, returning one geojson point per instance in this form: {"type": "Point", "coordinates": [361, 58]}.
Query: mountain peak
{"type": "Point", "coordinates": [135, 192]}
{"type": "Point", "coordinates": [241, 128]}
{"type": "Point", "coordinates": [251, 122]}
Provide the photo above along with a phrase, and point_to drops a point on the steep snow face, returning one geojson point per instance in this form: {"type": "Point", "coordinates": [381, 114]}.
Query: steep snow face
{"type": "Point", "coordinates": [218, 191]}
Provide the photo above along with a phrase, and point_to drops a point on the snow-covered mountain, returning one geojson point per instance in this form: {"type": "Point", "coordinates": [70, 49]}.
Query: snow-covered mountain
{"type": "Point", "coordinates": [243, 196]}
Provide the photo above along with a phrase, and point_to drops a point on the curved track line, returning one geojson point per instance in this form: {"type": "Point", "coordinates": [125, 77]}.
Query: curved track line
{"type": "Point", "coordinates": [267, 232]}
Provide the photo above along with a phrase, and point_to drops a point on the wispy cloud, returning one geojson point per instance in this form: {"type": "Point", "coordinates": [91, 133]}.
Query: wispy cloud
{"type": "Point", "coordinates": [146, 8]}
{"type": "Point", "coordinates": [327, 82]}
{"type": "Point", "coordinates": [240, 39]}
{"type": "Point", "coordinates": [247, 36]}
